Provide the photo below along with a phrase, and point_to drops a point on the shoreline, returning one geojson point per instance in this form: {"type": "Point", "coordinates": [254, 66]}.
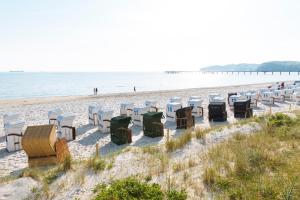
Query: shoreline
{"type": "Point", "coordinates": [58, 99]}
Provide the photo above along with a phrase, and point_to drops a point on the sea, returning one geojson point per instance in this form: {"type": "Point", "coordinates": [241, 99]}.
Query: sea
{"type": "Point", "coordinates": [20, 85]}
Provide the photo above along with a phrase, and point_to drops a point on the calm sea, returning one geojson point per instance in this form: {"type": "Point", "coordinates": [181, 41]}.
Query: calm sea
{"type": "Point", "coordinates": [31, 85]}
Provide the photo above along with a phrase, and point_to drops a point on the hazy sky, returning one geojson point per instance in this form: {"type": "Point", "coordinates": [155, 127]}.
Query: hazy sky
{"type": "Point", "coordinates": [110, 35]}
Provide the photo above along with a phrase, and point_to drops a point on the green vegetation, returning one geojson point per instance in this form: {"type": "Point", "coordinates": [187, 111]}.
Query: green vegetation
{"type": "Point", "coordinates": [96, 164]}
{"type": "Point", "coordinates": [133, 189]}
{"type": "Point", "coordinates": [264, 165]}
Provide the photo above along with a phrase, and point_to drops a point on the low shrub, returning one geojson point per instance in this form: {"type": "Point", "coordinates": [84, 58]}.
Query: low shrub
{"type": "Point", "coordinates": [133, 189]}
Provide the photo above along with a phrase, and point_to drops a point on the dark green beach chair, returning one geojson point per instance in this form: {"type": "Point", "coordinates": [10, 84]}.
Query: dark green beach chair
{"type": "Point", "coordinates": [152, 125]}
{"type": "Point", "coordinates": [119, 131]}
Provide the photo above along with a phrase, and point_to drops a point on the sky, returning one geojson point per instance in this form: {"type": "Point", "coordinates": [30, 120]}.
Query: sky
{"type": "Point", "coordinates": [145, 35]}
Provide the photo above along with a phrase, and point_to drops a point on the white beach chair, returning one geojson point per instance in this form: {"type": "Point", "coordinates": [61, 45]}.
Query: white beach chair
{"type": "Point", "coordinates": [93, 114]}
{"type": "Point", "coordinates": [171, 111]}
{"type": "Point", "coordinates": [288, 93]}
{"type": "Point", "coordinates": [215, 97]}
{"type": "Point", "coordinates": [138, 115]}
{"type": "Point", "coordinates": [197, 106]}
{"type": "Point", "coordinates": [13, 129]}
{"type": "Point", "coordinates": [151, 106]}
{"type": "Point", "coordinates": [126, 108]}
{"type": "Point", "coordinates": [296, 97]}
{"type": "Point", "coordinates": [252, 95]}
{"type": "Point", "coordinates": [232, 99]}
{"type": "Point", "coordinates": [175, 99]}
{"type": "Point", "coordinates": [104, 117]}
{"type": "Point", "coordinates": [267, 97]}
{"type": "Point", "coordinates": [53, 114]}
{"type": "Point", "coordinates": [279, 95]}
{"type": "Point", "coordinates": [65, 128]}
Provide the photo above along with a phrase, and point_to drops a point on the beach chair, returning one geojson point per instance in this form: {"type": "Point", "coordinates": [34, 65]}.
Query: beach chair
{"type": "Point", "coordinates": [43, 147]}
{"type": "Point", "coordinates": [93, 114]}
{"type": "Point", "coordinates": [184, 118]}
{"type": "Point", "coordinates": [13, 129]}
{"type": "Point", "coordinates": [119, 131]}
{"type": "Point", "coordinates": [253, 97]}
{"type": "Point", "coordinates": [152, 125]}
{"type": "Point", "coordinates": [151, 106]}
{"type": "Point", "coordinates": [296, 97]}
{"type": "Point", "coordinates": [229, 95]}
{"type": "Point", "coordinates": [171, 111]}
{"type": "Point", "coordinates": [279, 95]}
{"type": "Point", "coordinates": [126, 109]}
{"type": "Point", "coordinates": [217, 111]}
{"type": "Point", "coordinates": [288, 93]}
{"type": "Point", "coordinates": [137, 116]}
{"type": "Point", "coordinates": [242, 109]}
{"type": "Point", "coordinates": [65, 128]}
{"type": "Point", "coordinates": [215, 97]}
{"type": "Point", "coordinates": [197, 106]}
{"type": "Point", "coordinates": [104, 119]}
{"type": "Point", "coordinates": [53, 114]}
{"type": "Point", "coordinates": [233, 98]}
{"type": "Point", "coordinates": [175, 100]}
{"type": "Point", "coordinates": [267, 97]}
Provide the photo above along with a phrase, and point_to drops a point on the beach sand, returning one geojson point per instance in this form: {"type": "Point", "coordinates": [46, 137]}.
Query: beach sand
{"type": "Point", "coordinates": [34, 112]}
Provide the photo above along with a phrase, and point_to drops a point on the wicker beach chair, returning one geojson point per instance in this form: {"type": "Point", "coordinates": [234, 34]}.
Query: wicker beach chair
{"type": "Point", "coordinates": [184, 118]}
{"type": "Point", "coordinates": [152, 125]}
{"type": "Point", "coordinates": [42, 146]}
{"type": "Point", "coordinates": [119, 131]}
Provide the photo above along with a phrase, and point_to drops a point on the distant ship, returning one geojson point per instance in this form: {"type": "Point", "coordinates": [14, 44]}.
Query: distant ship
{"type": "Point", "coordinates": [16, 71]}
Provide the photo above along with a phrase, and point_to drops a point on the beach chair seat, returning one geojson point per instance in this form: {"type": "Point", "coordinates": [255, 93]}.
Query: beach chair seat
{"type": "Point", "coordinates": [119, 131]}
{"type": "Point", "coordinates": [53, 114]}
{"type": "Point", "coordinates": [184, 118]}
{"type": "Point", "coordinates": [43, 147]}
{"type": "Point", "coordinates": [152, 125]}
{"type": "Point", "coordinates": [217, 111]}
{"type": "Point", "coordinates": [104, 118]}
{"type": "Point", "coordinates": [65, 127]}
{"type": "Point", "coordinates": [93, 114]}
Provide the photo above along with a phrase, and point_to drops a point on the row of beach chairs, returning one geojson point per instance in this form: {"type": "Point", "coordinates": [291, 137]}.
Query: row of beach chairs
{"type": "Point", "coordinates": [148, 116]}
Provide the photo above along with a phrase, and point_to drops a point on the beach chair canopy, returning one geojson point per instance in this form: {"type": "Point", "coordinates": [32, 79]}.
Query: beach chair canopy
{"type": "Point", "coordinates": [119, 122]}
{"type": "Point", "coordinates": [39, 141]}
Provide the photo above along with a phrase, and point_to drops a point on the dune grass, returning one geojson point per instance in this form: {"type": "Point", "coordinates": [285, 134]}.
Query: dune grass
{"type": "Point", "coordinates": [180, 142]}
{"type": "Point", "coordinates": [264, 165]}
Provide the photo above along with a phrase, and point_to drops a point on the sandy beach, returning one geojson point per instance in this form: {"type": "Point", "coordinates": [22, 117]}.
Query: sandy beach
{"type": "Point", "coordinates": [34, 112]}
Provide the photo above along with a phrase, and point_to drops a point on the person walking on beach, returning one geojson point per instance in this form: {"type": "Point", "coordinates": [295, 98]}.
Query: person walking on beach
{"type": "Point", "coordinates": [134, 89]}
{"type": "Point", "coordinates": [96, 91]}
